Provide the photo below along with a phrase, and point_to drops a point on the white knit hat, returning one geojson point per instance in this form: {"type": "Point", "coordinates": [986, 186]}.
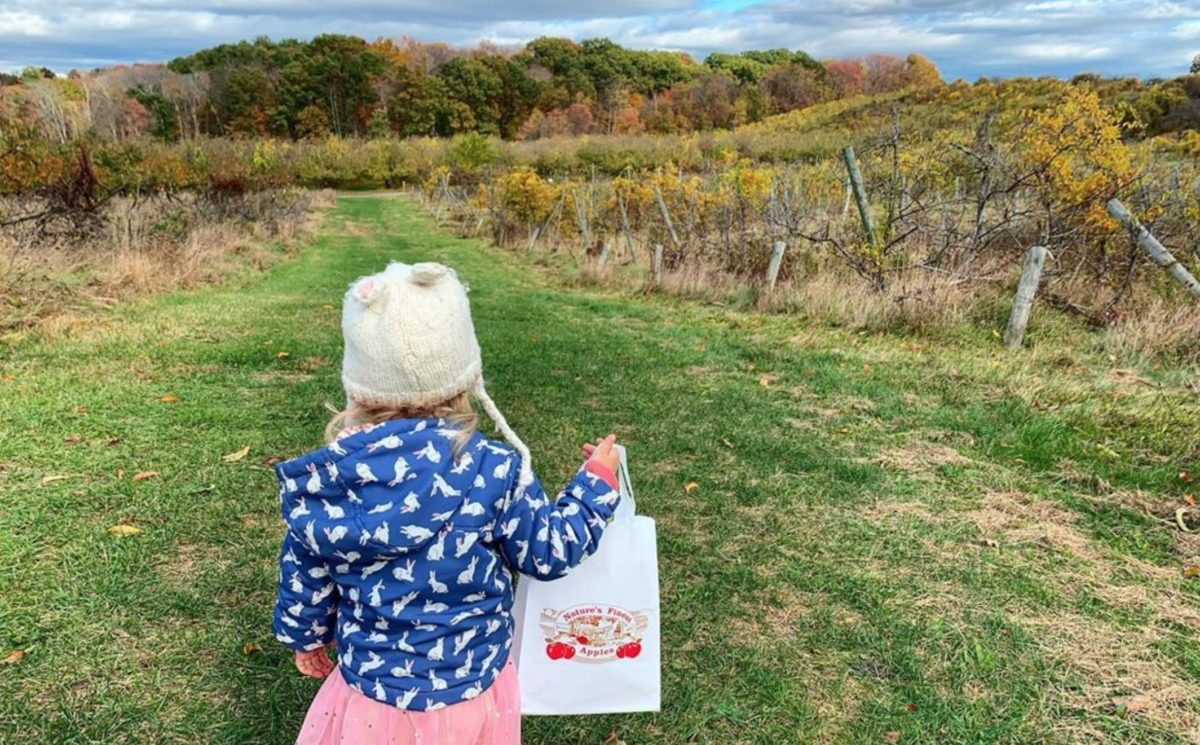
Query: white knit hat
{"type": "Point", "coordinates": [410, 343]}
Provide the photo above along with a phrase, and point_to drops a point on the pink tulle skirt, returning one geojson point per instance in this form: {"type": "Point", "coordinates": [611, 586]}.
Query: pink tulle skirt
{"type": "Point", "coordinates": [340, 715]}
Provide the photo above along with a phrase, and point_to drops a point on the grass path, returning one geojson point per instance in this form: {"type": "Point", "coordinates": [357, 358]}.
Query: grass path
{"type": "Point", "coordinates": [885, 538]}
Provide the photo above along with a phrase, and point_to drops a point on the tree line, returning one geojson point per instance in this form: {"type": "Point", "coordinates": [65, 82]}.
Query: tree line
{"type": "Point", "coordinates": [347, 86]}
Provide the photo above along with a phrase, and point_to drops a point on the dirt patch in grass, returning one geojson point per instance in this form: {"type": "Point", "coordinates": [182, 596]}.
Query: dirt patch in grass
{"type": "Point", "coordinates": [1111, 664]}
{"type": "Point", "coordinates": [190, 561]}
{"type": "Point", "coordinates": [1107, 660]}
{"type": "Point", "coordinates": [921, 458]}
{"type": "Point", "coordinates": [281, 376]}
{"type": "Point", "coordinates": [1019, 518]}
{"type": "Point", "coordinates": [887, 511]}
{"type": "Point", "coordinates": [764, 621]}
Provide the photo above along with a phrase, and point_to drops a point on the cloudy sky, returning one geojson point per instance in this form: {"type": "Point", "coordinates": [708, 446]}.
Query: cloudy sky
{"type": "Point", "coordinates": [967, 38]}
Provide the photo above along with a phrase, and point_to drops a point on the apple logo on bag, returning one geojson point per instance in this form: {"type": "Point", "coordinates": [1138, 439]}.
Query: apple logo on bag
{"type": "Point", "coordinates": [593, 633]}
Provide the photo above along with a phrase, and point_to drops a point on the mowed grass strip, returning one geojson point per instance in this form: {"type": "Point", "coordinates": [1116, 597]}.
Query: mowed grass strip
{"type": "Point", "coordinates": [862, 538]}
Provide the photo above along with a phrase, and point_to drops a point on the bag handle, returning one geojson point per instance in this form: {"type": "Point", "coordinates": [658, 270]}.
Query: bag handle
{"type": "Point", "coordinates": [625, 485]}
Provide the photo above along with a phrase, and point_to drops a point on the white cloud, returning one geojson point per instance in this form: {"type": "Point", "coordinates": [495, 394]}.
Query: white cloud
{"type": "Point", "coordinates": [966, 38]}
{"type": "Point", "coordinates": [21, 23]}
{"type": "Point", "coordinates": [1060, 51]}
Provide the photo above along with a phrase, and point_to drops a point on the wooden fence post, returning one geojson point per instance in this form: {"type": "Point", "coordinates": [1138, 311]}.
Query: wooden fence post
{"type": "Point", "coordinates": [581, 215]}
{"type": "Point", "coordinates": [1157, 251]}
{"type": "Point", "coordinates": [860, 194]}
{"type": "Point", "coordinates": [773, 267]}
{"type": "Point", "coordinates": [1031, 276]}
{"type": "Point", "coordinates": [656, 263]}
{"type": "Point", "coordinates": [629, 243]}
{"type": "Point", "coordinates": [662, 206]}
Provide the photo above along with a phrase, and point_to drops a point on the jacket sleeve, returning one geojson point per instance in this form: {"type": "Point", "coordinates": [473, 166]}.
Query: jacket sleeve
{"type": "Point", "coordinates": [546, 539]}
{"type": "Point", "coordinates": [306, 610]}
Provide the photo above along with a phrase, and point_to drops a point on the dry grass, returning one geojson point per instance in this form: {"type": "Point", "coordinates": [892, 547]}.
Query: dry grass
{"type": "Point", "coordinates": [1112, 660]}
{"type": "Point", "coordinates": [144, 247]}
{"type": "Point", "coordinates": [1159, 330]}
{"type": "Point", "coordinates": [921, 458]}
{"type": "Point", "coordinates": [912, 301]}
{"type": "Point", "coordinates": [1114, 664]}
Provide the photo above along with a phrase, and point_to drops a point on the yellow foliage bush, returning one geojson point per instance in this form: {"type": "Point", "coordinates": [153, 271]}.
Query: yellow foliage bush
{"type": "Point", "coordinates": [1074, 153]}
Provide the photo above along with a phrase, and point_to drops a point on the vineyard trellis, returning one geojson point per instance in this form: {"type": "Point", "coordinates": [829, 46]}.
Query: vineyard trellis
{"type": "Point", "coordinates": [966, 209]}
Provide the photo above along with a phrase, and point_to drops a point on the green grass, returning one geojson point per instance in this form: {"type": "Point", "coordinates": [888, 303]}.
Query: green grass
{"type": "Point", "coordinates": [943, 540]}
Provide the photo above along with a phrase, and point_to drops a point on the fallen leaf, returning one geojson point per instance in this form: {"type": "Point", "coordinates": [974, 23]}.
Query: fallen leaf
{"type": "Point", "coordinates": [690, 487]}
{"type": "Point", "coordinates": [271, 461]}
{"type": "Point", "coordinates": [1127, 377]}
{"type": "Point", "coordinates": [1186, 477]}
{"type": "Point", "coordinates": [842, 430]}
{"type": "Point", "coordinates": [990, 543]}
{"type": "Point", "coordinates": [866, 367]}
{"type": "Point", "coordinates": [124, 531]}
{"type": "Point", "coordinates": [249, 648]}
{"type": "Point", "coordinates": [910, 707]}
{"type": "Point", "coordinates": [766, 379]}
{"type": "Point", "coordinates": [72, 439]}
{"type": "Point", "coordinates": [1179, 513]}
{"type": "Point", "coordinates": [83, 410]}
{"type": "Point", "coordinates": [1190, 500]}
{"type": "Point", "coordinates": [891, 736]}
{"type": "Point", "coordinates": [1132, 704]}
{"type": "Point", "coordinates": [113, 441]}
{"type": "Point", "coordinates": [169, 399]}
{"type": "Point", "coordinates": [612, 739]}
{"type": "Point", "coordinates": [120, 473]}
{"type": "Point", "coordinates": [1191, 572]}
{"type": "Point", "coordinates": [7, 378]}
{"type": "Point", "coordinates": [52, 479]}
{"type": "Point", "coordinates": [235, 457]}
{"type": "Point", "coordinates": [282, 356]}
{"type": "Point", "coordinates": [143, 475]}
{"type": "Point", "coordinates": [13, 657]}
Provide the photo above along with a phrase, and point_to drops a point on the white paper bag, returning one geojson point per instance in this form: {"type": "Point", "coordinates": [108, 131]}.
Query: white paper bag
{"type": "Point", "coordinates": [589, 643]}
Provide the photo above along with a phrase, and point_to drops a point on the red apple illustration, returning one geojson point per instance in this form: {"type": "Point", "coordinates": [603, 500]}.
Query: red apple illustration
{"type": "Point", "coordinates": [621, 652]}
{"type": "Point", "coordinates": [555, 650]}
{"type": "Point", "coordinates": [568, 651]}
{"type": "Point", "coordinates": [633, 649]}
{"type": "Point", "coordinates": [582, 640]}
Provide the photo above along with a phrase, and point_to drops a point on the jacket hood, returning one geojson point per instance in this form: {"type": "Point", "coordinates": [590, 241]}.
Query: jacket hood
{"type": "Point", "coordinates": [390, 480]}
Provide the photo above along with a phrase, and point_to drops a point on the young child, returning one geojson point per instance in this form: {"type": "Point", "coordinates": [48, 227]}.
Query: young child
{"type": "Point", "coordinates": [405, 531]}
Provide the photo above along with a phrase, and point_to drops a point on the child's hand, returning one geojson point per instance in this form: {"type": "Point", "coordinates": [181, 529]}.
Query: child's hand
{"type": "Point", "coordinates": [602, 452]}
{"type": "Point", "coordinates": [315, 663]}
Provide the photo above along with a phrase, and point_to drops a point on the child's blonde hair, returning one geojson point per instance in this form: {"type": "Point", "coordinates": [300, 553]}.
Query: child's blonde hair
{"type": "Point", "coordinates": [457, 412]}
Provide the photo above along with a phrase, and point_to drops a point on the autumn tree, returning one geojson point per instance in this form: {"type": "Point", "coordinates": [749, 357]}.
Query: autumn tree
{"type": "Point", "coordinates": [921, 73]}
{"type": "Point", "coordinates": [846, 77]}
{"type": "Point", "coordinates": [1072, 152]}
{"type": "Point", "coordinates": [791, 87]}
{"type": "Point", "coordinates": [884, 73]}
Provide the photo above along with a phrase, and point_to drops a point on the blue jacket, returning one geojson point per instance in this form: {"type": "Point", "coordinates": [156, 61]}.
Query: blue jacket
{"type": "Point", "coordinates": [405, 555]}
